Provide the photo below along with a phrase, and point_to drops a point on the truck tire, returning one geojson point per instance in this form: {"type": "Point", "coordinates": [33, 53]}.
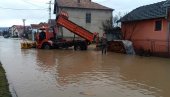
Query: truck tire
{"type": "Point", "coordinates": [76, 47]}
{"type": "Point", "coordinates": [46, 46]}
{"type": "Point", "coordinates": [83, 46]}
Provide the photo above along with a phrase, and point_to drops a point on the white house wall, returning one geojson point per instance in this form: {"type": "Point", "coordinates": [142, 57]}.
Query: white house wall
{"type": "Point", "coordinates": [78, 16]}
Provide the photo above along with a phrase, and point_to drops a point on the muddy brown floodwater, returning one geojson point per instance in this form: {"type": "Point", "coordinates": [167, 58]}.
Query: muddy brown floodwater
{"type": "Point", "coordinates": [68, 73]}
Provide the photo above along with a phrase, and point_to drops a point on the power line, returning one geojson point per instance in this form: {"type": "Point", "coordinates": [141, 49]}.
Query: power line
{"type": "Point", "coordinates": [5, 8]}
{"type": "Point", "coordinates": [31, 4]}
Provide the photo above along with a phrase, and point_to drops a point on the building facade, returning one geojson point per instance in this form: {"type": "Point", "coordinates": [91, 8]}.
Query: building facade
{"type": "Point", "coordinates": [34, 29]}
{"type": "Point", "coordinates": [16, 30]}
{"type": "Point", "coordinates": [85, 13]}
{"type": "Point", "coordinates": [148, 28]}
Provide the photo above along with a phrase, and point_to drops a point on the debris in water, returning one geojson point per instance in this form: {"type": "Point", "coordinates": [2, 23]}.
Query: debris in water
{"type": "Point", "coordinates": [87, 93]}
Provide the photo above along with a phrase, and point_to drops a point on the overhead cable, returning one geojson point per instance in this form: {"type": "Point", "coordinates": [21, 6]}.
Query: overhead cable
{"type": "Point", "coordinates": [31, 4]}
{"type": "Point", "coordinates": [20, 8]}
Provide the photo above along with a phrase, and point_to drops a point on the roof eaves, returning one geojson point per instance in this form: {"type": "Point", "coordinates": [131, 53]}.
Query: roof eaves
{"type": "Point", "coordinates": [87, 8]}
{"type": "Point", "coordinates": [151, 11]}
{"type": "Point", "coordinates": [141, 19]}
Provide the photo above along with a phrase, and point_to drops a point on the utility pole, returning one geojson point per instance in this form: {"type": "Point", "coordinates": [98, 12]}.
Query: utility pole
{"type": "Point", "coordinates": [49, 9]}
{"type": "Point", "coordinates": [24, 34]}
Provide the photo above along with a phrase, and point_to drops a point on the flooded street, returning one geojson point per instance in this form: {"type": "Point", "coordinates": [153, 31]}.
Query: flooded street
{"type": "Point", "coordinates": [68, 73]}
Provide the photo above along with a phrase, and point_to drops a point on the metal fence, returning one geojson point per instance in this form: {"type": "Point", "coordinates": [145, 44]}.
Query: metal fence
{"type": "Point", "coordinates": [152, 47]}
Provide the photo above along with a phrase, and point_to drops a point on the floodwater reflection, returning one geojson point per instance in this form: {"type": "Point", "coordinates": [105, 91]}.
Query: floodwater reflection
{"type": "Point", "coordinates": [68, 73]}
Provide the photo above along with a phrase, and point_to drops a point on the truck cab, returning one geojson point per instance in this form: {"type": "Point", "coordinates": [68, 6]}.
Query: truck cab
{"type": "Point", "coordinates": [47, 37]}
{"type": "Point", "coordinates": [44, 38]}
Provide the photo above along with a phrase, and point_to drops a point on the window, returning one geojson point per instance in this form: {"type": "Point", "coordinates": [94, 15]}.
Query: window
{"type": "Point", "coordinates": [158, 25]}
{"type": "Point", "coordinates": [88, 17]}
{"type": "Point", "coordinates": [78, 1]}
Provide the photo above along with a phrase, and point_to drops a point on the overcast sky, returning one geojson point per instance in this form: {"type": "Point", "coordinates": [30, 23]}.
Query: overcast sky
{"type": "Point", "coordinates": [11, 13]}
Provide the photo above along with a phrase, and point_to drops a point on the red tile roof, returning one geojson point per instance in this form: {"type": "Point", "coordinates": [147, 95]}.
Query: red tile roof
{"type": "Point", "coordinates": [83, 5]}
{"type": "Point", "coordinates": [43, 24]}
{"type": "Point", "coordinates": [35, 26]}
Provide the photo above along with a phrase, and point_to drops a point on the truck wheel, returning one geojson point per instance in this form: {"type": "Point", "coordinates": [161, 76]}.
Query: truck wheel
{"type": "Point", "coordinates": [46, 46]}
{"type": "Point", "coordinates": [75, 47]}
{"type": "Point", "coordinates": [83, 46]}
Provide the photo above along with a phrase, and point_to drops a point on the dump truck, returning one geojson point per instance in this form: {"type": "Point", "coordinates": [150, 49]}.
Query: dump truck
{"type": "Point", "coordinates": [46, 39]}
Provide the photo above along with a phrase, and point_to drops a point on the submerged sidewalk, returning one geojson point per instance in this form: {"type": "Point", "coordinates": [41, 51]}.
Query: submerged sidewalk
{"type": "Point", "coordinates": [4, 87]}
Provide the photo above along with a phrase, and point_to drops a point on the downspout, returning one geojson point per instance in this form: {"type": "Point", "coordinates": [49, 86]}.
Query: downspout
{"type": "Point", "coordinates": [168, 37]}
{"type": "Point", "coordinates": [167, 17]}
{"type": "Point", "coordinates": [168, 30]}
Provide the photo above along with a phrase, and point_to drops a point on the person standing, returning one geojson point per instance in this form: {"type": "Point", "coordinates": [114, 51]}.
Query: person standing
{"type": "Point", "coordinates": [42, 35]}
{"type": "Point", "coordinates": [104, 44]}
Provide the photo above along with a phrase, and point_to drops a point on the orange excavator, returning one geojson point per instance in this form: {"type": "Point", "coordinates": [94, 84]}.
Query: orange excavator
{"type": "Point", "coordinates": [46, 39]}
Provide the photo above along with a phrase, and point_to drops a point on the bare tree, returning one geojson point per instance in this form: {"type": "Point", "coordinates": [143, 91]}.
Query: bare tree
{"type": "Point", "coordinates": [107, 25]}
{"type": "Point", "coordinates": [112, 26]}
{"type": "Point", "coordinates": [111, 23]}
{"type": "Point", "coordinates": [129, 27]}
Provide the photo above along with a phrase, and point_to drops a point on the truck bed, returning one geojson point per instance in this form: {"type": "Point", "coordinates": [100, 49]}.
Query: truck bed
{"type": "Point", "coordinates": [74, 28]}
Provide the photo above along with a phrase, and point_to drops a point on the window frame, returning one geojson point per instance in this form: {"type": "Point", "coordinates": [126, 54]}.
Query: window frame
{"type": "Point", "coordinates": [88, 18]}
{"type": "Point", "coordinates": [158, 25]}
{"type": "Point", "coordinates": [78, 1]}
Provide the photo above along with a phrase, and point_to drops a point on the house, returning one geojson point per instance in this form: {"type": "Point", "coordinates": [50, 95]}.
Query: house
{"type": "Point", "coordinates": [85, 13]}
{"type": "Point", "coordinates": [43, 24]}
{"type": "Point", "coordinates": [52, 22]}
{"type": "Point", "coordinates": [34, 28]}
{"type": "Point", "coordinates": [148, 28]}
{"type": "Point", "coordinates": [18, 30]}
